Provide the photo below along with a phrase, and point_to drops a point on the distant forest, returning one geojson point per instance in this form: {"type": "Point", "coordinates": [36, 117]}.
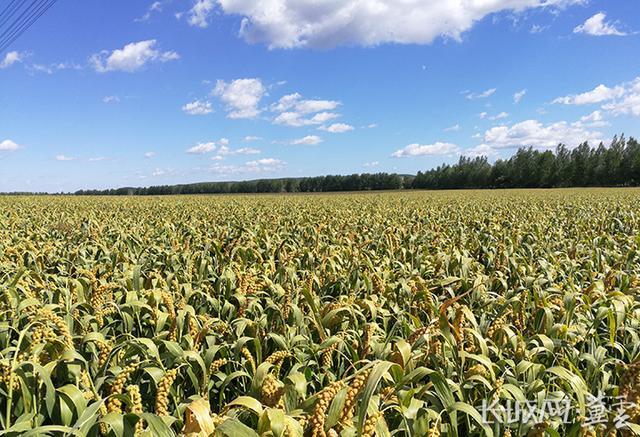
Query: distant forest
{"type": "Point", "coordinates": [584, 166]}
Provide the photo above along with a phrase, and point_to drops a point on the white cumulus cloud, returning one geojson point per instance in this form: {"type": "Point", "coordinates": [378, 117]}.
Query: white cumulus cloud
{"type": "Point", "coordinates": [224, 150]}
{"type": "Point", "coordinates": [426, 150]}
{"type": "Point", "coordinates": [337, 128]}
{"type": "Point", "coordinates": [266, 162]}
{"type": "Point", "coordinates": [132, 57]}
{"type": "Point", "coordinates": [295, 111]}
{"type": "Point", "coordinates": [622, 99]}
{"type": "Point", "coordinates": [296, 119]}
{"type": "Point", "coordinates": [8, 145]}
{"type": "Point", "coordinates": [328, 23]}
{"type": "Point", "coordinates": [597, 95]}
{"type": "Point", "coordinates": [595, 119]}
{"type": "Point", "coordinates": [11, 58]}
{"type": "Point", "coordinates": [296, 103]}
{"type": "Point", "coordinates": [629, 103]}
{"type": "Point", "coordinates": [481, 150]}
{"type": "Point", "coordinates": [323, 117]}
{"type": "Point", "coordinates": [199, 13]}
{"type": "Point", "coordinates": [596, 26]}
{"type": "Point", "coordinates": [241, 96]}
{"type": "Point", "coordinates": [535, 134]}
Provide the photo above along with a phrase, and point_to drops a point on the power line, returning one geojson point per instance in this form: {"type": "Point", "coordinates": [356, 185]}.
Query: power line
{"type": "Point", "coordinates": [17, 8]}
{"type": "Point", "coordinates": [9, 11]}
{"type": "Point", "coordinates": [23, 22]}
{"type": "Point", "coordinates": [7, 38]}
{"type": "Point", "coordinates": [22, 18]}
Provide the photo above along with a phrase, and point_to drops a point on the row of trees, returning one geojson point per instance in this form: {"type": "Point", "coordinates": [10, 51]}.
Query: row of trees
{"type": "Point", "coordinates": [354, 182]}
{"type": "Point", "coordinates": [584, 166]}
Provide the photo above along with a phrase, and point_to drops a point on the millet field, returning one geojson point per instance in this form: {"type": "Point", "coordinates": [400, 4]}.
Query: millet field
{"type": "Point", "coordinates": [370, 314]}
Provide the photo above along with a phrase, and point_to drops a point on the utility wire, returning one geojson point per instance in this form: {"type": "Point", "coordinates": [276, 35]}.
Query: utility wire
{"type": "Point", "coordinates": [23, 22]}
{"type": "Point", "coordinates": [9, 11]}
{"type": "Point", "coordinates": [20, 18]}
{"type": "Point", "coordinates": [26, 15]}
{"type": "Point", "coordinates": [10, 35]}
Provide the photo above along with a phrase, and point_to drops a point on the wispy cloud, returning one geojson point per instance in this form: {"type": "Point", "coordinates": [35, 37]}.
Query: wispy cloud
{"type": "Point", "coordinates": [153, 8]}
{"type": "Point", "coordinates": [426, 150]}
{"type": "Point", "coordinates": [247, 151]}
{"type": "Point", "coordinates": [517, 97]}
{"type": "Point", "coordinates": [482, 95]}
{"type": "Point", "coordinates": [53, 67]}
{"type": "Point", "coordinates": [198, 107]}
{"type": "Point", "coordinates": [132, 57]}
{"type": "Point", "coordinates": [499, 116]}
{"type": "Point", "coordinates": [597, 26]}
{"type": "Point", "coordinates": [202, 148]}
{"type": "Point", "coordinates": [309, 140]}
{"type": "Point", "coordinates": [265, 165]}
{"type": "Point", "coordinates": [65, 158]}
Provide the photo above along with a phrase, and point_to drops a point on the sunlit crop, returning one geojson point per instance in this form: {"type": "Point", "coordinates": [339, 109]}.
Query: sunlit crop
{"type": "Point", "coordinates": [317, 315]}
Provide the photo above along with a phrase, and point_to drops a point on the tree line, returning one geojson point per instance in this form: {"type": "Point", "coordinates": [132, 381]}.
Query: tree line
{"type": "Point", "coordinates": [584, 166]}
{"type": "Point", "coordinates": [319, 184]}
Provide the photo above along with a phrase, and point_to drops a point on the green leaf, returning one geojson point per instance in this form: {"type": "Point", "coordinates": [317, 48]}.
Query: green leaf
{"type": "Point", "coordinates": [157, 426]}
{"type": "Point", "coordinates": [473, 413]}
{"type": "Point", "coordinates": [379, 369]}
{"type": "Point", "coordinates": [234, 428]}
{"type": "Point", "coordinates": [247, 402]}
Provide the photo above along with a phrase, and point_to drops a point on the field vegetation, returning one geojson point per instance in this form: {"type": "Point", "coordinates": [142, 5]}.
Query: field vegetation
{"type": "Point", "coordinates": [354, 315]}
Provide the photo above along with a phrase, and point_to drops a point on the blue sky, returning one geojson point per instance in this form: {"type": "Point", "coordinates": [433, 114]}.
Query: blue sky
{"type": "Point", "coordinates": [134, 93]}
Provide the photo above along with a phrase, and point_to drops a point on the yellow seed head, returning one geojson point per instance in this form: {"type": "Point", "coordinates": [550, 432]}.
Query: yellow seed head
{"type": "Point", "coordinates": [162, 394]}
{"type": "Point", "coordinates": [247, 356]}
